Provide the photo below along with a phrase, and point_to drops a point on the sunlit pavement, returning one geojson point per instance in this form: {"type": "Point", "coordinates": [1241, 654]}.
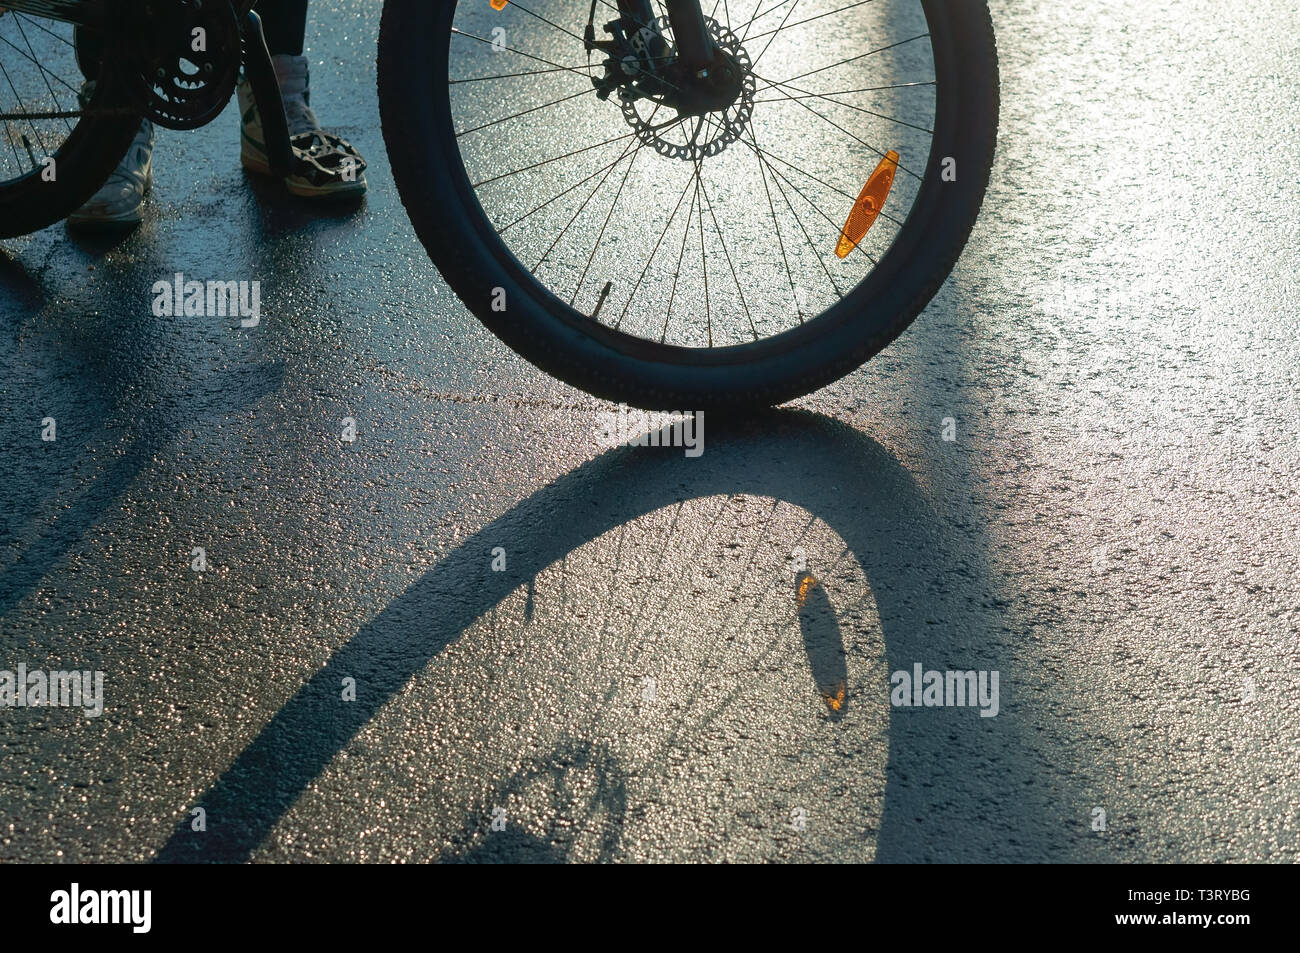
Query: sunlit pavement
{"type": "Point", "coordinates": [652, 675]}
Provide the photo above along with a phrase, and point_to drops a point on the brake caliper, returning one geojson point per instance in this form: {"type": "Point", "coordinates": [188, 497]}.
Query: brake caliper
{"type": "Point", "coordinates": [636, 53]}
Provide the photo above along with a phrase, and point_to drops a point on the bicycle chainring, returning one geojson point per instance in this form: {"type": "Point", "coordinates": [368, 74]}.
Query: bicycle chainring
{"type": "Point", "coordinates": [185, 56]}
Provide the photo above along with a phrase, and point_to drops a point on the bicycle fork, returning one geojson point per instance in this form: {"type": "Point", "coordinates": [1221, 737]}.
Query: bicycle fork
{"type": "Point", "coordinates": [695, 48]}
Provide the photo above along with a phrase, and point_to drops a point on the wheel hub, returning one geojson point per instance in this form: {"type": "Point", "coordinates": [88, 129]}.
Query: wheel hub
{"type": "Point", "coordinates": [720, 98]}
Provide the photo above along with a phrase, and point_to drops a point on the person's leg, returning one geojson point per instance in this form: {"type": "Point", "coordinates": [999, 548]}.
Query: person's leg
{"type": "Point", "coordinates": [334, 168]}
{"type": "Point", "coordinates": [120, 201]}
{"type": "Point", "coordinates": [285, 24]}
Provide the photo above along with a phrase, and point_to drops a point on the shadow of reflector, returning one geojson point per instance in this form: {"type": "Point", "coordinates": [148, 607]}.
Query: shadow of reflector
{"type": "Point", "coordinates": [823, 643]}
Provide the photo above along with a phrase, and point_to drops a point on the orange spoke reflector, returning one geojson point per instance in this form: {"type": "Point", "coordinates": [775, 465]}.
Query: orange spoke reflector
{"type": "Point", "coordinates": [499, 4]}
{"type": "Point", "coordinates": [867, 208]}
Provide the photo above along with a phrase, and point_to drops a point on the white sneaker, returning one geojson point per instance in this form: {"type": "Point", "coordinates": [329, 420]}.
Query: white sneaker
{"type": "Point", "coordinates": [330, 166]}
{"type": "Point", "coordinates": [119, 203]}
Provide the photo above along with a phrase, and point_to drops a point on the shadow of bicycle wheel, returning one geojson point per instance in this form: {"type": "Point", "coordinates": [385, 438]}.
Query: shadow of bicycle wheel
{"type": "Point", "coordinates": [928, 589]}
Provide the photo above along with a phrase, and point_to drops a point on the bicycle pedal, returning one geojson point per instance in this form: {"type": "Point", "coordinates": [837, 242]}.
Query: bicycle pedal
{"type": "Point", "coordinates": [322, 158]}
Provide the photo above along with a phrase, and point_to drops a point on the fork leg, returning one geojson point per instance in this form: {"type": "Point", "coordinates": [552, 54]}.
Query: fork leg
{"type": "Point", "coordinates": [695, 48]}
{"type": "Point", "coordinates": [639, 12]}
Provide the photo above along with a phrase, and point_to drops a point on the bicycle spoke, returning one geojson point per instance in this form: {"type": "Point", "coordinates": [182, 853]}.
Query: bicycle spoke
{"type": "Point", "coordinates": [768, 154]}
{"type": "Point", "coordinates": [807, 95]}
{"type": "Point", "coordinates": [748, 24]}
{"type": "Point", "coordinates": [45, 29]}
{"type": "Point", "coordinates": [22, 107]}
{"type": "Point", "coordinates": [777, 178]}
{"type": "Point", "coordinates": [704, 256]}
{"type": "Point", "coordinates": [844, 92]}
{"type": "Point", "coordinates": [761, 155]}
{"type": "Point", "coordinates": [509, 49]}
{"type": "Point", "coordinates": [855, 138]}
{"type": "Point", "coordinates": [18, 21]}
{"type": "Point", "coordinates": [649, 261]}
{"type": "Point", "coordinates": [32, 59]}
{"type": "Point", "coordinates": [13, 145]}
{"type": "Point", "coordinates": [861, 56]}
{"type": "Point", "coordinates": [776, 226]}
{"type": "Point", "coordinates": [561, 195]}
{"type": "Point", "coordinates": [604, 227]}
{"type": "Point", "coordinates": [536, 72]}
{"type": "Point", "coordinates": [799, 192]}
{"type": "Point", "coordinates": [555, 198]}
{"type": "Point", "coordinates": [576, 215]}
{"type": "Point", "coordinates": [600, 236]}
{"type": "Point", "coordinates": [812, 246]}
{"type": "Point", "coordinates": [727, 254]}
{"type": "Point", "coordinates": [681, 255]}
{"type": "Point", "coordinates": [538, 165]}
{"type": "Point", "coordinates": [788, 14]}
{"type": "Point", "coordinates": [497, 122]}
{"type": "Point", "coordinates": [516, 5]}
{"type": "Point", "coordinates": [791, 26]}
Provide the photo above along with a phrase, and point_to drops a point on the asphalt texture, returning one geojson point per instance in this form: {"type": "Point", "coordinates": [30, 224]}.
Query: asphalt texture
{"type": "Point", "coordinates": [1112, 527]}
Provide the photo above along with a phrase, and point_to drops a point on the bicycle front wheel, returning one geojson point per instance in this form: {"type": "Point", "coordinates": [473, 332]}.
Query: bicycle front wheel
{"type": "Point", "coordinates": [724, 237]}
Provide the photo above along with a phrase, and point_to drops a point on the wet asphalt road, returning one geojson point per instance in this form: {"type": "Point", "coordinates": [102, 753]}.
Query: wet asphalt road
{"type": "Point", "coordinates": [1113, 530]}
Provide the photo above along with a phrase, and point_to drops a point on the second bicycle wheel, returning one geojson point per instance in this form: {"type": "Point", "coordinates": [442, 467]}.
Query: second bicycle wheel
{"type": "Point", "coordinates": [653, 245]}
{"type": "Point", "coordinates": [60, 137]}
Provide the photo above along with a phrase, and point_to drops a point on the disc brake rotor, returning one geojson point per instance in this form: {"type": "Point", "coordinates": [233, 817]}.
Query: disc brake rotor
{"type": "Point", "coordinates": [713, 131]}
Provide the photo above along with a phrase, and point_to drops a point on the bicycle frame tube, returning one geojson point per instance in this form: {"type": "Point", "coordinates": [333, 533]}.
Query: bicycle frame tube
{"type": "Point", "coordinates": [90, 13]}
{"type": "Point", "coordinates": [695, 48]}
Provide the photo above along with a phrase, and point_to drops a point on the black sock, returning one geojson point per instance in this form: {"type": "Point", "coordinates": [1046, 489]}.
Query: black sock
{"type": "Point", "coordinates": [285, 24]}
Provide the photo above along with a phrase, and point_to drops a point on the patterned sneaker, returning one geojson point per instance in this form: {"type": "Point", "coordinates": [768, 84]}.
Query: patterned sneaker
{"type": "Point", "coordinates": [119, 203]}
{"type": "Point", "coordinates": [329, 167]}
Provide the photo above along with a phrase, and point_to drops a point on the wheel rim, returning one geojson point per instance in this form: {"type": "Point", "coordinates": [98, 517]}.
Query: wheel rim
{"type": "Point", "coordinates": [723, 249]}
{"type": "Point", "coordinates": [40, 105]}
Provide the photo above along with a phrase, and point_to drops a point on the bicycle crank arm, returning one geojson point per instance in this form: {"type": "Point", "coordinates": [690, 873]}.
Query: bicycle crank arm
{"type": "Point", "coordinates": [90, 13]}
{"type": "Point", "coordinates": [266, 93]}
